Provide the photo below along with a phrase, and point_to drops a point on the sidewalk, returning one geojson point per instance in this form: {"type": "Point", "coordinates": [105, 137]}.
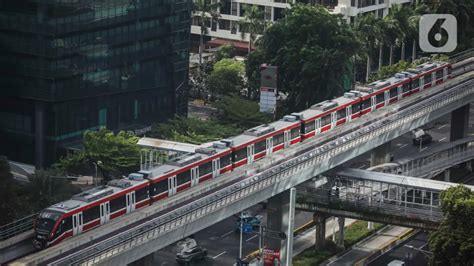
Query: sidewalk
{"type": "Point", "coordinates": [371, 245]}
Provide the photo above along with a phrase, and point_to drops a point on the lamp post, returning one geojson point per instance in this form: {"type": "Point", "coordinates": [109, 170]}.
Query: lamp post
{"type": "Point", "coordinates": [95, 165]}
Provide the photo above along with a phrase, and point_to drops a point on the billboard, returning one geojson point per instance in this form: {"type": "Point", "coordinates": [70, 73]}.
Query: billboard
{"type": "Point", "coordinates": [268, 88]}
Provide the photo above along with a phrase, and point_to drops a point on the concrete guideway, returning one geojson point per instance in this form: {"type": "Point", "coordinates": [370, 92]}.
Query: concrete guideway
{"type": "Point", "coordinates": [273, 181]}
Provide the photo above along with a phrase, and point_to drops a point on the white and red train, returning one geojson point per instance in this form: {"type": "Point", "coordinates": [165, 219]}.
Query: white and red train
{"type": "Point", "coordinates": [97, 206]}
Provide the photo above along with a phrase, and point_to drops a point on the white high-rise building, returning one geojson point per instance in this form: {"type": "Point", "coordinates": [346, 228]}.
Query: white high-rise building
{"type": "Point", "coordinates": [232, 11]}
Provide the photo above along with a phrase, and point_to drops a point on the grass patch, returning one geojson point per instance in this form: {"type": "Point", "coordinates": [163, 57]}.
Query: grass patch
{"type": "Point", "coordinates": [352, 234]}
{"type": "Point", "coordinates": [358, 231]}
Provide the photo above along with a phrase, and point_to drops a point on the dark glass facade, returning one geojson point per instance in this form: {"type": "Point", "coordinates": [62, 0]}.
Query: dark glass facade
{"type": "Point", "coordinates": [68, 66]}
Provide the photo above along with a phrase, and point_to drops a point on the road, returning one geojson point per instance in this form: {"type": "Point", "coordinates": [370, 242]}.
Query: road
{"type": "Point", "coordinates": [412, 252]}
{"type": "Point", "coordinates": [222, 241]}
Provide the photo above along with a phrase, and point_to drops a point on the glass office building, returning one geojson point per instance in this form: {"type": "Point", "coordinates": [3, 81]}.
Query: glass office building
{"type": "Point", "coordinates": [68, 66]}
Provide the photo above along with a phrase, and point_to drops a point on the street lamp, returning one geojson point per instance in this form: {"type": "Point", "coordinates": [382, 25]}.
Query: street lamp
{"type": "Point", "coordinates": [95, 165]}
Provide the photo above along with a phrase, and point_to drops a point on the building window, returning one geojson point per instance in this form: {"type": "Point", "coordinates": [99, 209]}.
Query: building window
{"type": "Point", "coordinates": [234, 9]}
{"type": "Point", "coordinates": [268, 13]}
{"type": "Point", "coordinates": [103, 117]}
{"type": "Point", "coordinates": [224, 24]}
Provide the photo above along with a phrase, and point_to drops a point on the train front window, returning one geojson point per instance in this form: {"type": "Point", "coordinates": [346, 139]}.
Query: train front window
{"type": "Point", "coordinates": [46, 220]}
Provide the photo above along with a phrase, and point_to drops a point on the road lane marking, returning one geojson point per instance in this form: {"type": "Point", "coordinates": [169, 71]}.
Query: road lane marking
{"type": "Point", "coordinates": [250, 238]}
{"type": "Point", "coordinates": [423, 149]}
{"type": "Point", "coordinates": [403, 146]}
{"type": "Point", "coordinates": [226, 234]}
{"type": "Point", "coordinates": [442, 139]}
{"type": "Point", "coordinates": [220, 254]}
{"type": "Point", "coordinates": [442, 126]}
{"type": "Point", "coordinates": [362, 166]}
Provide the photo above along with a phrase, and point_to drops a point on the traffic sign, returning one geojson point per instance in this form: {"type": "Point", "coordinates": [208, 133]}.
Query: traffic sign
{"type": "Point", "coordinates": [247, 228]}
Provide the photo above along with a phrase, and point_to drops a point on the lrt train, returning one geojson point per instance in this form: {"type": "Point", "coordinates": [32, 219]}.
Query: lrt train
{"type": "Point", "coordinates": [95, 207]}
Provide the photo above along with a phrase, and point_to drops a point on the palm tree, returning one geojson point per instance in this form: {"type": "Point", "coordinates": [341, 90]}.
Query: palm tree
{"type": "Point", "coordinates": [253, 24]}
{"type": "Point", "coordinates": [369, 32]}
{"type": "Point", "coordinates": [402, 15]}
{"type": "Point", "coordinates": [207, 12]}
{"type": "Point", "coordinates": [413, 22]}
{"type": "Point", "coordinates": [391, 32]}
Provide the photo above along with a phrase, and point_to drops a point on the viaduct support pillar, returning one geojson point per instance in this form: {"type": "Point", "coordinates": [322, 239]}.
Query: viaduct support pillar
{"type": "Point", "coordinates": [447, 175]}
{"type": "Point", "coordinates": [379, 155]}
{"type": "Point", "coordinates": [459, 123]}
{"type": "Point", "coordinates": [281, 219]}
{"type": "Point", "coordinates": [340, 241]}
{"type": "Point", "coordinates": [320, 219]}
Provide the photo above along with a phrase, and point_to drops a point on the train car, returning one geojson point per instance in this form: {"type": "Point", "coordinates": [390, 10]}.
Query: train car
{"type": "Point", "coordinates": [429, 74]}
{"type": "Point", "coordinates": [90, 209]}
{"type": "Point", "coordinates": [327, 115]}
{"type": "Point", "coordinates": [263, 140]}
{"type": "Point", "coordinates": [189, 170]}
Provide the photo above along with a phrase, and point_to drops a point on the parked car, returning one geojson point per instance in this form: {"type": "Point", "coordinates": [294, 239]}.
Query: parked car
{"type": "Point", "coordinates": [189, 255]}
{"type": "Point", "coordinates": [425, 139]}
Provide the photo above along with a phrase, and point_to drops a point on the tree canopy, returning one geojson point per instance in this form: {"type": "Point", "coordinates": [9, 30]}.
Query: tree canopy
{"type": "Point", "coordinates": [192, 130]}
{"type": "Point", "coordinates": [226, 78]}
{"type": "Point", "coordinates": [8, 197]}
{"type": "Point", "coordinates": [312, 49]}
{"type": "Point", "coordinates": [240, 112]}
{"type": "Point", "coordinates": [453, 242]}
{"type": "Point", "coordinates": [114, 155]}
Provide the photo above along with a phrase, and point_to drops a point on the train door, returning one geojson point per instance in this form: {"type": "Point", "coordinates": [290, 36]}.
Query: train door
{"type": "Point", "coordinates": [333, 119]}
{"type": "Point", "coordinates": [400, 92]}
{"type": "Point", "coordinates": [77, 223]}
{"type": "Point", "coordinates": [286, 138]}
{"type": "Point", "coordinates": [269, 145]}
{"type": "Point", "coordinates": [130, 197]}
{"type": "Point", "coordinates": [172, 185]}
{"type": "Point", "coordinates": [104, 212]}
{"type": "Point", "coordinates": [349, 113]}
{"type": "Point", "coordinates": [250, 154]}
{"type": "Point", "coordinates": [216, 165]}
{"type": "Point", "coordinates": [433, 78]}
{"type": "Point", "coordinates": [422, 83]}
{"type": "Point", "coordinates": [317, 125]}
{"type": "Point", "coordinates": [373, 103]}
{"type": "Point", "coordinates": [387, 97]}
{"type": "Point", "coordinates": [194, 176]}
{"type": "Point", "coordinates": [445, 73]}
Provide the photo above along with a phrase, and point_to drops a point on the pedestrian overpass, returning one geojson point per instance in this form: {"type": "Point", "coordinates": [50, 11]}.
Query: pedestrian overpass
{"type": "Point", "coordinates": [378, 197]}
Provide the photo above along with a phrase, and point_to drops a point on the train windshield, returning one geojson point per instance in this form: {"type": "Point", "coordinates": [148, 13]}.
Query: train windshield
{"type": "Point", "coordinates": [47, 219]}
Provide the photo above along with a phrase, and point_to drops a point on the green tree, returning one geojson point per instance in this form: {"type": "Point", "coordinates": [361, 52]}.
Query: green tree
{"type": "Point", "coordinates": [207, 12]}
{"type": "Point", "coordinates": [225, 51]}
{"type": "Point", "coordinates": [402, 14]}
{"type": "Point", "coordinates": [391, 33]}
{"type": "Point", "coordinates": [240, 112]}
{"type": "Point", "coordinates": [192, 130]}
{"type": "Point", "coordinates": [453, 242]}
{"type": "Point", "coordinates": [252, 24]}
{"type": "Point", "coordinates": [8, 198]}
{"type": "Point", "coordinates": [119, 154]}
{"type": "Point", "coordinates": [369, 29]}
{"type": "Point", "coordinates": [47, 187]}
{"type": "Point", "coordinates": [226, 78]}
{"type": "Point", "coordinates": [312, 49]}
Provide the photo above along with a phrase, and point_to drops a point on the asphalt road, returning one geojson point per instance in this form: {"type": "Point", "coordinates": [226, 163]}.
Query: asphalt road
{"type": "Point", "coordinates": [412, 252]}
{"type": "Point", "coordinates": [222, 241]}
